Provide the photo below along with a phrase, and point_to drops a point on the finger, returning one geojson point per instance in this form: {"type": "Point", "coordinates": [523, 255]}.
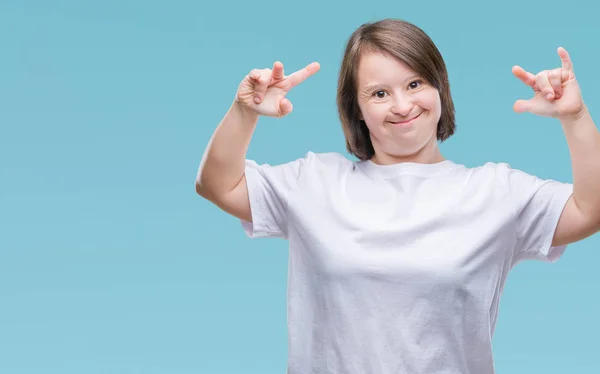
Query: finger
{"type": "Point", "coordinates": [261, 84]}
{"type": "Point", "coordinates": [254, 74]}
{"type": "Point", "coordinates": [567, 64]}
{"type": "Point", "coordinates": [555, 77]}
{"type": "Point", "coordinates": [543, 83]}
{"type": "Point", "coordinates": [300, 76]}
{"type": "Point", "coordinates": [521, 106]}
{"type": "Point", "coordinates": [525, 76]}
{"type": "Point", "coordinates": [277, 70]}
{"type": "Point", "coordinates": [285, 107]}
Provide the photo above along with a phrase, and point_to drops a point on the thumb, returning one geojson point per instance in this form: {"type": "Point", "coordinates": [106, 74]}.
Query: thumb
{"type": "Point", "coordinates": [522, 106]}
{"type": "Point", "coordinates": [285, 107]}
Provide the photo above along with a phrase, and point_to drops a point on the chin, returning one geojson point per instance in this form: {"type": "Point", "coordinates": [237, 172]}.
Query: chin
{"type": "Point", "coordinates": [405, 152]}
{"type": "Point", "coordinates": [409, 147]}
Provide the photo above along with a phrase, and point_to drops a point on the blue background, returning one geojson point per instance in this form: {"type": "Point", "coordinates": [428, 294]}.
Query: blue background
{"type": "Point", "coordinates": [109, 261]}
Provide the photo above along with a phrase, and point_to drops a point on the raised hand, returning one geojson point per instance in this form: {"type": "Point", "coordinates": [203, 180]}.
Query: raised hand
{"type": "Point", "coordinates": [264, 90]}
{"type": "Point", "coordinates": [556, 92]}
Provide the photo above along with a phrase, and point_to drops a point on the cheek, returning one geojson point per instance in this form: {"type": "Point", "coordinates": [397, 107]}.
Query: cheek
{"type": "Point", "coordinates": [429, 101]}
{"type": "Point", "coordinates": [433, 106]}
{"type": "Point", "coordinates": [436, 103]}
{"type": "Point", "coordinates": [374, 113]}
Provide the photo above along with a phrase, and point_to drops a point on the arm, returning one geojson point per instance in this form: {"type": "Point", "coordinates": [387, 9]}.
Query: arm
{"type": "Point", "coordinates": [221, 178]}
{"type": "Point", "coordinates": [557, 94]}
{"type": "Point", "coordinates": [581, 216]}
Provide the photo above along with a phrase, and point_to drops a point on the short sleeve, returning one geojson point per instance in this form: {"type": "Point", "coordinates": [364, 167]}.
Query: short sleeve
{"type": "Point", "coordinates": [539, 203]}
{"type": "Point", "coordinates": [269, 188]}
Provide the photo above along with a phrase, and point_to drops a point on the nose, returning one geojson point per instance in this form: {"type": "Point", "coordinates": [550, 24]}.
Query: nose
{"type": "Point", "coordinates": [402, 104]}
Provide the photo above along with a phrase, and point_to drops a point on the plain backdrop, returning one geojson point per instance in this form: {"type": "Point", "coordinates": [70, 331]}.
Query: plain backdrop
{"type": "Point", "coordinates": [109, 261]}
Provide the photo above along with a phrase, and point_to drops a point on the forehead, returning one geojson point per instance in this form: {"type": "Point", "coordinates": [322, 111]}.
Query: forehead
{"type": "Point", "coordinates": [377, 67]}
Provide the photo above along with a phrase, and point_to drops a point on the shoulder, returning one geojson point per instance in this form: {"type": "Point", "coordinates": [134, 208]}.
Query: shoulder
{"type": "Point", "coordinates": [506, 180]}
{"type": "Point", "coordinates": [500, 180]}
{"type": "Point", "coordinates": [325, 161]}
{"type": "Point", "coordinates": [313, 158]}
{"type": "Point", "coordinates": [500, 168]}
{"type": "Point", "coordinates": [503, 173]}
{"type": "Point", "coordinates": [326, 157]}
{"type": "Point", "coordinates": [312, 164]}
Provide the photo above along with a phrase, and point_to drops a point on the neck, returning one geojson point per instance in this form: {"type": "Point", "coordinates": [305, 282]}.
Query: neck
{"type": "Point", "coordinates": [429, 154]}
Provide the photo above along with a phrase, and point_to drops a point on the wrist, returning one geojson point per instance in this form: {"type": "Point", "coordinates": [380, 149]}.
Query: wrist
{"type": "Point", "coordinates": [573, 119]}
{"type": "Point", "coordinates": [245, 113]}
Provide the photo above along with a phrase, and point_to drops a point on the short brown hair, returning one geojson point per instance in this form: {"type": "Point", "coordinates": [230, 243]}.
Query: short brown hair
{"type": "Point", "coordinates": [406, 43]}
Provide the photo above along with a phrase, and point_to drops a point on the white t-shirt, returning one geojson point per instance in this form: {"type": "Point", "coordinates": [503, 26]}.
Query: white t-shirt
{"type": "Point", "coordinates": [399, 268]}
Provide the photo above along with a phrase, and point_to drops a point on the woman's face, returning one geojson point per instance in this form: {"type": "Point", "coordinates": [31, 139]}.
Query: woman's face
{"type": "Point", "coordinates": [400, 109]}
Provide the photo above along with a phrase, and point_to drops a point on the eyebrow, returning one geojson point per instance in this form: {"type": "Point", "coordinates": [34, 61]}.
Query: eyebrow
{"type": "Point", "coordinates": [371, 86]}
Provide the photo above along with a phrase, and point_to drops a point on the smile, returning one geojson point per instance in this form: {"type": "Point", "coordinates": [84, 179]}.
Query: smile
{"type": "Point", "coordinates": [405, 123]}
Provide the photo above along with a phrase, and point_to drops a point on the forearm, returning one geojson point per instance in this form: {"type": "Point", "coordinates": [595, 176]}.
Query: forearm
{"type": "Point", "coordinates": [583, 140]}
{"type": "Point", "coordinates": [223, 163]}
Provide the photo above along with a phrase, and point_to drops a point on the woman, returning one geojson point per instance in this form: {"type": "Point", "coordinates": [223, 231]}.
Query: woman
{"type": "Point", "coordinates": [398, 260]}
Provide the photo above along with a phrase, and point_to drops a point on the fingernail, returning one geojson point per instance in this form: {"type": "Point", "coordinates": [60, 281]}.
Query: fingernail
{"type": "Point", "coordinates": [549, 96]}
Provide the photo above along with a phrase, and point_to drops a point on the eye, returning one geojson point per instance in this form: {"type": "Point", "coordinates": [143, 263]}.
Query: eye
{"type": "Point", "coordinates": [415, 84]}
{"type": "Point", "coordinates": [379, 94]}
